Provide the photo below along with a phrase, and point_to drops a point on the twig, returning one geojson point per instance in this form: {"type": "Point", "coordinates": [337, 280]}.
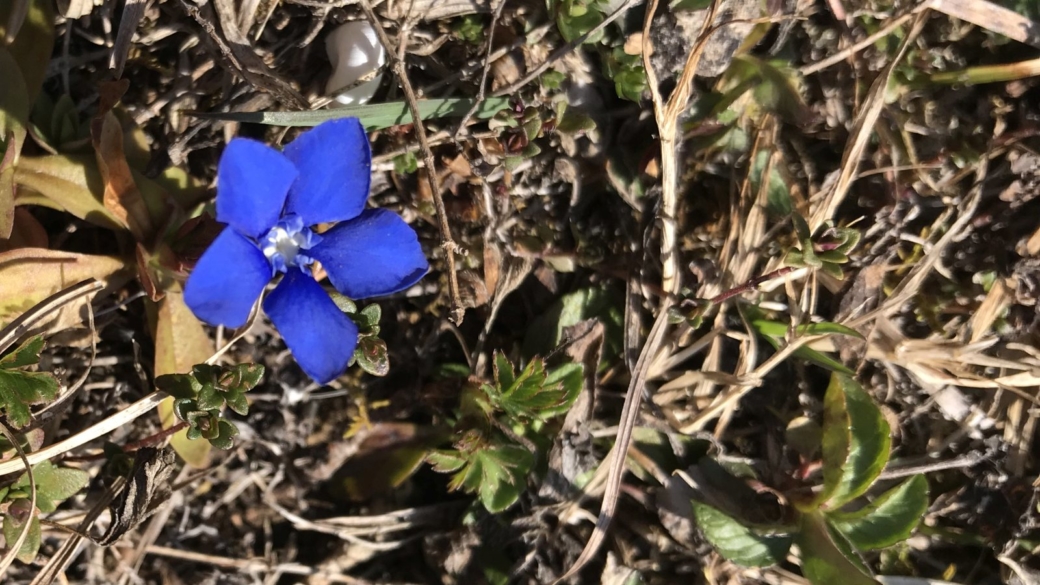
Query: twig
{"type": "Point", "coordinates": [618, 454]}
{"type": "Point", "coordinates": [484, 73]}
{"type": "Point", "coordinates": [447, 242]}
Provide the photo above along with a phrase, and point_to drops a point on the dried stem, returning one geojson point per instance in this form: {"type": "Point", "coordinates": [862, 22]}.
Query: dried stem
{"type": "Point", "coordinates": [447, 242]}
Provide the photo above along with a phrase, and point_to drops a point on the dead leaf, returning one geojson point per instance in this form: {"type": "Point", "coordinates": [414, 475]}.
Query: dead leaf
{"type": "Point", "coordinates": [147, 488]}
{"type": "Point", "coordinates": [121, 195]}
{"type": "Point", "coordinates": [29, 275]}
{"type": "Point", "coordinates": [27, 233]}
{"type": "Point", "coordinates": [67, 183]}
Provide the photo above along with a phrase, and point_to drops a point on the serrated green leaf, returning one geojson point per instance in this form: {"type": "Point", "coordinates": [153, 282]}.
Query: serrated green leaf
{"type": "Point", "coordinates": [19, 390]}
{"type": "Point", "coordinates": [31, 544]}
{"type": "Point", "coordinates": [571, 379]}
{"type": "Point", "coordinates": [496, 474]}
{"type": "Point", "coordinates": [534, 394]}
{"type": "Point", "coordinates": [737, 542]}
{"type": "Point", "coordinates": [499, 497]}
{"type": "Point", "coordinates": [373, 116]}
{"type": "Point", "coordinates": [446, 461]}
{"type": "Point", "coordinates": [54, 484]}
{"type": "Point", "coordinates": [26, 354]}
{"type": "Point", "coordinates": [856, 442]}
{"type": "Point", "coordinates": [503, 371]}
{"type": "Point", "coordinates": [824, 562]}
{"type": "Point", "coordinates": [888, 519]}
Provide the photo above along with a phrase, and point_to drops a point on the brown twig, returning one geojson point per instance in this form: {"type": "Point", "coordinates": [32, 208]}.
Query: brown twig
{"type": "Point", "coordinates": [495, 15]}
{"type": "Point", "coordinates": [447, 242]}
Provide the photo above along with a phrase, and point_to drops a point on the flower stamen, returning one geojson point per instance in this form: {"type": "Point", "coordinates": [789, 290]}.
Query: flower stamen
{"type": "Point", "coordinates": [284, 242]}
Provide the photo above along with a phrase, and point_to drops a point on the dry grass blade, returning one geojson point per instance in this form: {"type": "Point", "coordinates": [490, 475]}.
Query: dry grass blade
{"type": "Point", "coordinates": [133, 11]}
{"type": "Point", "coordinates": [447, 241]}
{"type": "Point", "coordinates": [14, 547]}
{"type": "Point", "coordinates": [993, 17]}
{"type": "Point", "coordinates": [862, 130]}
{"type": "Point", "coordinates": [617, 455]}
{"type": "Point", "coordinates": [121, 418]}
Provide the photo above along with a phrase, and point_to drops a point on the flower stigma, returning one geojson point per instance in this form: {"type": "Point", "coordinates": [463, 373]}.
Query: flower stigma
{"type": "Point", "coordinates": [283, 243]}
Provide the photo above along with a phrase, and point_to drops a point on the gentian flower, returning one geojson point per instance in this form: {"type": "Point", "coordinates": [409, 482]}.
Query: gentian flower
{"type": "Point", "coordinates": [271, 201]}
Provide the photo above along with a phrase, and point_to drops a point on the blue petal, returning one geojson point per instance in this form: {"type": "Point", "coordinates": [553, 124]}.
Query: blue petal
{"type": "Point", "coordinates": [321, 337]}
{"type": "Point", "coordinates": [375, 254]}
{"type": "Point", "coordinates": [253, 181]}
{"type": "Point", "coordinates": [335, 164]}
{"type": "Point", "coordinates": [227, 280]}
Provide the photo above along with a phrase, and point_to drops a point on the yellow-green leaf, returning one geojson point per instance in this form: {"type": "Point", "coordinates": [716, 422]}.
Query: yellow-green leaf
{"type": "Point", "coordinates": [180, 343]}
{"type": "Point", "coordinates": [70, 183]}
{"type": "Point", "coordinates": [33, 43]}
{"type": "Point", "coordinates": [826, 560]}
{"type": "Point", "coordinates": [856, 442]}
{"type": "Point", "coordinates": [29, 275]}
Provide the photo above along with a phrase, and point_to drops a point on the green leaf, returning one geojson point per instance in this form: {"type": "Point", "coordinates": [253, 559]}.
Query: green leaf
{"type": "Point", "coordinates": [373, 116]}
{"type": "Point", "coordinates": [32, 44]}
{"type": "Point", "coordinates": [737, 542]}
{"type": "Point", "coordinates": [369, 317]}
{"type": "Point", "coordinates": [888, 519]}
{"type": "Point", "coordinates": [371, 354]}
{"type": "Point", "coordinates": [778, 329]}
{"type": "Point", "coordinates": [70, 183]}
{"type": "Point", "coordinates": [19, 390]}
{"type": "Point", "coordinates": [14, 118]}
{"type": "Point", "coordinates": [604, 304]}
{"type": "Point", "coordinates": [771, 332]}
{"type": "Point", "coordinates": [54, 484]}
{"type": "Point", "coordinates": [497, 474]}
{"type": "Point", "coordinates": [27, 354]}
{"type": "Point", "coordinates": [226, 432]}
{"type": "Point", "coordinates": [856, 442]}
{"type": "Point", "coordinates": [826, 560]}
{"type": "Point", "coordinates": [571, 378]}
{"type": "Point", "coordinates": [182, 386]}
{"type": "Point", "coordinates": [534, 394]}
{"type": "Point", "coordinates": [13, 528]}
{"type": "Point", "coordinates": [446, 461]}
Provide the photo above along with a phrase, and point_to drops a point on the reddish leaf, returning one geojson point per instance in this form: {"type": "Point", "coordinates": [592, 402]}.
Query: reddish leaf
{"type": "Point", "coordinates": [122, 196]}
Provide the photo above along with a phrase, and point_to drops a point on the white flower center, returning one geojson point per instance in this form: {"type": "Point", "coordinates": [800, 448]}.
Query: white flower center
{"type": "Point", "coordinates": [283, 243]}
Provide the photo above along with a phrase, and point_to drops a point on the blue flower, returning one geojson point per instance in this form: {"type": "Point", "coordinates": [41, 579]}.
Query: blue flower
{"type": "Point", "coordinates": [270, 200]}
